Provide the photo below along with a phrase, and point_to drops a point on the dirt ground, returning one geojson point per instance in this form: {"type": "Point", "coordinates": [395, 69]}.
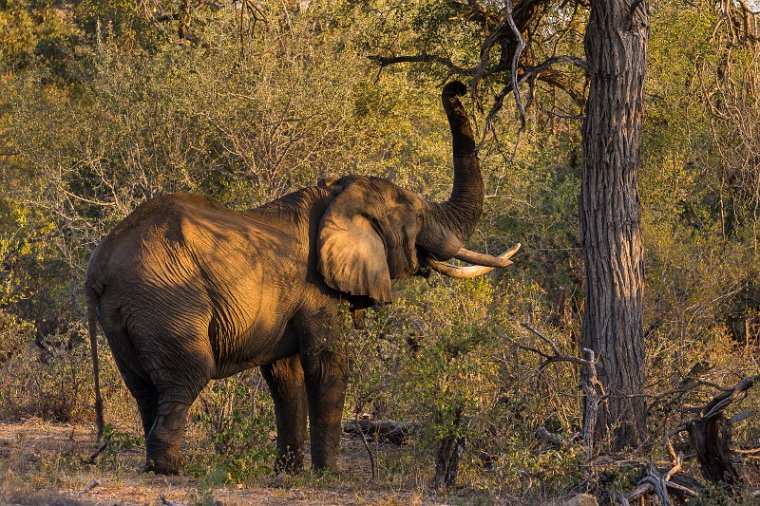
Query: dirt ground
{"type": "Point", "coordinates": [45, 463]}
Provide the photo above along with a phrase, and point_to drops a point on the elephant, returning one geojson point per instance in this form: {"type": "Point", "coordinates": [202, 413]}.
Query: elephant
{"type": "Point", "coordinates": [187, 290]}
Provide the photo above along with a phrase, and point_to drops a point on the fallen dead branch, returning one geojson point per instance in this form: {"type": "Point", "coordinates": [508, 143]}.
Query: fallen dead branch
{"type": "Point", "coordinates": [710, 436]}
{"type": "Point", "coordinates": [654, 479]}
{"type": "Point", "coordinates": [658, 483]}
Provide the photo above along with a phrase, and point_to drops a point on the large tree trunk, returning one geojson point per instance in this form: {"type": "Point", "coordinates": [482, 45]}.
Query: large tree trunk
{"type": "Point", "coordinates": [616, 42]}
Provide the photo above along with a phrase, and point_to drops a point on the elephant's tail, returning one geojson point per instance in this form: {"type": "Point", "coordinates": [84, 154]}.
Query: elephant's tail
{"type": "Point", "coordinates": [92, 327]}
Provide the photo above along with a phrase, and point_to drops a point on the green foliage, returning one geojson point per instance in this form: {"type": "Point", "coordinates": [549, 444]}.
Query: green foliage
{"type": "Point", "coordinates": [698, 192]}
{"type": "Point", "coordinates": [236, 416]}
{"type": "Point", "coordinates": [27, 28]}
{"type": "Point", "coordinates": [121, 440]}
{"type": "Point", "coordinates": [455, 377]}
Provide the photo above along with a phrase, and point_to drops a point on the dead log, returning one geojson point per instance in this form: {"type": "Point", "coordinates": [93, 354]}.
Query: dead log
{"type": "Point", "coordinates": [381, 430]}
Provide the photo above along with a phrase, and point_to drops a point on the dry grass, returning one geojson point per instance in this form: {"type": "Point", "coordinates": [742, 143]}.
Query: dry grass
{"type": "Point", "coordinates": [44, 463]}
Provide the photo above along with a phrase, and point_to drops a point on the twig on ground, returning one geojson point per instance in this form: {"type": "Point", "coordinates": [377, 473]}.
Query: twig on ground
{"type": "Point", "coordinates": [373, 466]}
{"type": "Point", "coordinates": [167, 502]}
{"type": "Point", "coordinates": [91, 458]}
{"type": "Point", "coordinates": [90, 486]}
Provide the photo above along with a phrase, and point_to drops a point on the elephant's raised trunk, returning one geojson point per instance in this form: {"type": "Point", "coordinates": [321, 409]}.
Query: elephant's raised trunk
{"type": "Point", "coordinates": [464, 207]}
{"type": "Point", "coordinates": [451, 223]}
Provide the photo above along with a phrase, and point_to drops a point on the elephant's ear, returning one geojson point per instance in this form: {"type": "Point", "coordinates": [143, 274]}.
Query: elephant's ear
{"type": "Point", "coordinates": [366, 238]}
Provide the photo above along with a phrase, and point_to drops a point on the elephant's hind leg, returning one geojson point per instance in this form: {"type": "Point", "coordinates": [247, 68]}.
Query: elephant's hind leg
{"type": "Point", "coordinates": [179, 375]}
{"type": "Point", "coordinates": [285, 380]}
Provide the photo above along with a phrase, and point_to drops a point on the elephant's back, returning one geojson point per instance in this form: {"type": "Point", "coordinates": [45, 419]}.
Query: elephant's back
{"type": "Point", "coordinates": [186, 260]}
{"type": "Point", "coordinates": [146, 232]}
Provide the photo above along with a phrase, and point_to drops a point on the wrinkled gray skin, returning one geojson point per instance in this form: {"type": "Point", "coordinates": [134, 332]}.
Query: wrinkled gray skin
{"type": "Point", "coordinates": [187, 290]}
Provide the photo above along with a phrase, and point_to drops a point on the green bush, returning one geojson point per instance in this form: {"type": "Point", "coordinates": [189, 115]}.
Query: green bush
{"type": "Point", "coordinates": [236, 417]}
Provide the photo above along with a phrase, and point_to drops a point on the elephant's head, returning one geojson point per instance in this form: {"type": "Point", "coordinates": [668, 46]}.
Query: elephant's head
{"type": "Point", "coordinates": [374, 231]}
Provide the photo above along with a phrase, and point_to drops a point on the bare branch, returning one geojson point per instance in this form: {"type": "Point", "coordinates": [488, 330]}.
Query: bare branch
{"type": "Point", "coordinates": [562, 82]}
{"type": "Point", "coordinates": [720, 402]}
{"type": "Point", "coordinates": [480, 72]}
{"type": "Point", "coordinates": [528, 73]}
{"type": "Point", "coordinates": [745, 6]}
{"type": "Point", "coordinates": [384, 61]}
{"type": "Point", "coordinates": [533, 350]}
{"type": "Point", "coordinates": [575, 60]}
{"type": "Point", "coordinates": [545, 339]}
{"type": "Point", "coordinates": [564, 116]}
{"type": "Point", "coordinates": [515, 59]}
{"type": "Point", "coordinates": [593, 390]}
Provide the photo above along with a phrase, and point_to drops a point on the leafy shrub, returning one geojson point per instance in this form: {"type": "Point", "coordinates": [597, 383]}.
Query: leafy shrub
{"type": "Point", "coordinates": [236, 417]}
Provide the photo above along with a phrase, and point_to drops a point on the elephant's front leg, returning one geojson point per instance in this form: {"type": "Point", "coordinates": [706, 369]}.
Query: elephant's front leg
{"type": "Point", "coordinates": [286, 383]}
{"type": "Point", "coordinates": [325, 373]}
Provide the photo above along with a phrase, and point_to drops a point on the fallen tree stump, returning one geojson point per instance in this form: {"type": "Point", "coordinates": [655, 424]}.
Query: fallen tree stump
{"type": "Point", "coordinates": [668, 484]}
{"type": "Point", "coordinates": [710, 435]}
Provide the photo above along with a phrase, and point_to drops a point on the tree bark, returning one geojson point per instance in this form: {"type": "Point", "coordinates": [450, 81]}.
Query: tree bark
{"type": "Point", "coordinates": [616, 43]}
{"type": "Point", "coordinates": [447, 456]}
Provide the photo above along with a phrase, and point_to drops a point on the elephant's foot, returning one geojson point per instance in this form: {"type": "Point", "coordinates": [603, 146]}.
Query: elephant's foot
{"type": "Point", "coordinates": [164, 441]}
{"type": "Point", "coordinates": [324, 458]}
{"type": "Point", "coordinates": [165, 462]}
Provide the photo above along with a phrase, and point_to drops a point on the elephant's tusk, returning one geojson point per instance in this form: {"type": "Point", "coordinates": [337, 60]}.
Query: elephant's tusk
{"type": "Point", "coordinates": [473, 271]}
{"type": "Point", "coordinates": [485, 260]}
